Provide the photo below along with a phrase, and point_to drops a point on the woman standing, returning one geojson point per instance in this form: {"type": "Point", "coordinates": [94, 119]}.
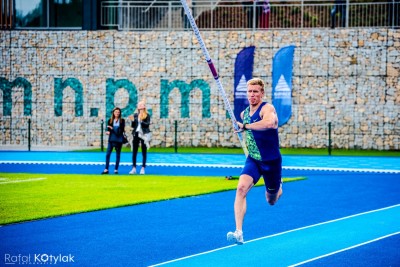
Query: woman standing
{"type": "Point", "coordinates": [115, 132]}
{"type": "Point", "coordinates": [141, 131]}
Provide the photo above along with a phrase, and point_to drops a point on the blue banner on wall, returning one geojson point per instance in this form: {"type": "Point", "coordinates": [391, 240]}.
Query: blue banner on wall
{"type": "Point", "coordinates": [243, 73]}
{"type": "Point", "coordinates": [282, 68]}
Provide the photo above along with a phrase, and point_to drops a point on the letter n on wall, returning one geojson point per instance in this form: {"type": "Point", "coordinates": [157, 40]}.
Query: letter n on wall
{"type": "Point", "coordinates": [7, 86]}
{"type": "Point", "coordinates": [59, 87]}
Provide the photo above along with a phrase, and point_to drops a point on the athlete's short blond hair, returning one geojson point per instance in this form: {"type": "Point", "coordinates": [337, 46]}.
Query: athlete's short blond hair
{"type": "Point", "coordinates": [256, 81]}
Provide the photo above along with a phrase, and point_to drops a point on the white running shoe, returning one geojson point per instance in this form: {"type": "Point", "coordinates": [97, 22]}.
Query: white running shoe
{"type": "Point", "coordinates": [133, 171]}
{"type": "Point", "coordinates": [235, 237]}
{"type": "Point", "coordinates": [142, 170]}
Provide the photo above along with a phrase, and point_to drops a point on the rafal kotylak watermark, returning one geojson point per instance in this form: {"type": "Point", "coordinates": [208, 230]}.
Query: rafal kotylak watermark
{"type": "Point", "coordinates": [37, 258]}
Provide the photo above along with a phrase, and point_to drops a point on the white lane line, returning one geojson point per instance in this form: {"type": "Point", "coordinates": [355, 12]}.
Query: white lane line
{"type": "Point", "coordinates": [295, 168]}
{"type": "Point", "coordinates": [327, 222]}
{"type": "Point", "coordinates": [21, 181]}
{"type": "Point", "coordinates": [341, 250]}
{"type": "Point", "coordinates": [278, 234]}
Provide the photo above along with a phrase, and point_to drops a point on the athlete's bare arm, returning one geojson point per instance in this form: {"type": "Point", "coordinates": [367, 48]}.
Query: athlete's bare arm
{"type": "Point", "coordinates": [269, 119]}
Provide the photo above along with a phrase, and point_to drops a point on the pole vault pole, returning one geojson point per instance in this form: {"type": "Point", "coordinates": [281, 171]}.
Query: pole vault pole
{"type": "Point", "coordinates": [214, 73]}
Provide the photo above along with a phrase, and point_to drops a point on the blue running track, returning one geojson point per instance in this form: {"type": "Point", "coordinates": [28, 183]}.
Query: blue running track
{"type": "Point", "coordinates": [347, 213]}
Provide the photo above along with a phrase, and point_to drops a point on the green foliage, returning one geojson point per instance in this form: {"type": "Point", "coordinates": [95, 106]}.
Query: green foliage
{"type": "Point", "coordinates": [295, 10]}
{"type": "Point", "coordinates": [314, 21]}
{"type": "Point", "coordinates": [306, 16]}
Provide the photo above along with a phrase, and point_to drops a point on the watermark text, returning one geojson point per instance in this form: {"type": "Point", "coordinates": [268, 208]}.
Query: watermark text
{"type": "Point", "coordinates": [37, 258]}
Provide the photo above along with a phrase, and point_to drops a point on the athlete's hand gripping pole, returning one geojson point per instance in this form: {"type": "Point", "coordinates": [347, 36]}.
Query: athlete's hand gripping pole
{"type": "Point", "coordinates": [215, 74]}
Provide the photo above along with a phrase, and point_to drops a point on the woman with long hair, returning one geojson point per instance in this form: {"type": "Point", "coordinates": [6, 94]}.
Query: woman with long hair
{"type": "Point", "coordinates": [141, 133]}
{"type": "Point", "coordinates": [115, 132]}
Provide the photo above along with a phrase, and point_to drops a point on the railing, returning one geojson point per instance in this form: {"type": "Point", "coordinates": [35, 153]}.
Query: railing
{"type": "Point", "coordinates": [228, 15]}
{"type": "Point", "coordinates": [6, 14]}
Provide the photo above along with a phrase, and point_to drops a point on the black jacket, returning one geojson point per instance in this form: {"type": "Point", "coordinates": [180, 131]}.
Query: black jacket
{"type": "Point", "coordinates": [144, 124]}
{"type": "Point", "coordinates": [116, 135]}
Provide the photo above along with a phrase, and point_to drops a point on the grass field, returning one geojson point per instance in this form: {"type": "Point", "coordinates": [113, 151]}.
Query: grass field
{"type": "Point", "coordinates": [27, 197]}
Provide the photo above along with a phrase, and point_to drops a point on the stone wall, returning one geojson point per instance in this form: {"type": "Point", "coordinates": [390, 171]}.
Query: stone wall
{"type": "Point", "coordinates": [67, 82]}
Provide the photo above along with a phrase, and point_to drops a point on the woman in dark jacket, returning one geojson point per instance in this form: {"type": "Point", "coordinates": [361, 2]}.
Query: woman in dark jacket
{"type": "Point", "coordinates": [115, 132]}
{"type": "Point", "coordinates": [141, 132]}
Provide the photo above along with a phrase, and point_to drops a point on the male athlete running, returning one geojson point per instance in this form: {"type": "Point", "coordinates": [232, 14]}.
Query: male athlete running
{"type": "Point", "coordinates": [260, 123]}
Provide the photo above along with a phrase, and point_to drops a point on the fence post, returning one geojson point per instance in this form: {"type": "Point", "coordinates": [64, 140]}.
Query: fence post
{"type": "Point", "coordinates": [254, 26]}
{"type": "Point", "coordinates": [170, 16]}
{"type": "Point", "coordinates": [394, 7]}
{"type": "Point", "coordinates": [302, 14]}
{"type": "Point", "coordinates": [119, 15]}
{"type": "Point", "coordinates": [347, 13]}
{"type": "Point", "coordinates": [329, 138]}
{"type": "Point", "coordinates": [101, 135]}
{"type": "Point", "coordinates": [176, 137]}
{"type": "Point", "coordinates": [29, 134]}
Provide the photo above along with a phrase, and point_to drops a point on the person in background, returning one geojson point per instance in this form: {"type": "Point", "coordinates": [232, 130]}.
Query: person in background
{"type": "Point", "coordinates": [249, 7]}
{"type": "Point", "coordinates": [260, 123]}
{"type": "Point", "coordinates": [339, 8]}
{"type": "Point", "coordinates": [115, 132]}
{"type": "Point", "coordinates": [264, 23]}
{"type": "Point", "coordinates": [141, 129]}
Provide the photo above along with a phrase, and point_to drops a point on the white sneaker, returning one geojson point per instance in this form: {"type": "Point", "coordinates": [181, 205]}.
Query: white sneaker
{"type": "Point", "coordinates": [133, 171]}
{"type": "Point", "coordinates": [235, 237]}
{"type": "Point", "coordinates": [142, 170]}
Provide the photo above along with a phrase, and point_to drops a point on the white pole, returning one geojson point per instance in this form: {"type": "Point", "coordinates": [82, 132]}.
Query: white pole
{"type": "Point", "coordinates": [214, 73]}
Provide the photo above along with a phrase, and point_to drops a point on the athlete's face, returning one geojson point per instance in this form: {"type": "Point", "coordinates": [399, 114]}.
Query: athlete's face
{"type": "Point", "coordinates": [255, 94]}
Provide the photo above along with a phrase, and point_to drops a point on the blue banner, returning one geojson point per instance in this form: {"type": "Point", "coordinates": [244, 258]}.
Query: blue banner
{"type": "Point", "coordinates": [282, 68]}
{"type": "Point", "coordinates": [243, 73]}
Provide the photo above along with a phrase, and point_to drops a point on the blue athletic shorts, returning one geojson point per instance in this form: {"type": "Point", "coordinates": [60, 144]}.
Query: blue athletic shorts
{"type": "Point", "coordinates": [271, 171]}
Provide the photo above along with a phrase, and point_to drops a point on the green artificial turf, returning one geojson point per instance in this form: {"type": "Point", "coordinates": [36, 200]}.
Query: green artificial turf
{"type": "Point", "coordinates": [25, 197]}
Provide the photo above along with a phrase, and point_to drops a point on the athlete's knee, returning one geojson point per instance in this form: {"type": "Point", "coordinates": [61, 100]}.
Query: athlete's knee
{"type": "Point", "coordinates": [244, 186]}
{"type": "Point", "coordinates": [242, 190]}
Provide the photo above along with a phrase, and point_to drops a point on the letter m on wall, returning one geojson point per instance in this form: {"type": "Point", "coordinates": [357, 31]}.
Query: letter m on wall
{"type": "Point", "coordinates": [7, 87]}
{"type": "Point", "coordinates": [185, 90]}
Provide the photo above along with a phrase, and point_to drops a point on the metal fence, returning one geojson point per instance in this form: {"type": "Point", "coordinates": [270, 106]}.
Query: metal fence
{"type": "Point", "coordinates": [164, 15]}
{"type": "Point", "coordinates": [6, 14]}
{"type": "Point", "coordinates": [361, 135]}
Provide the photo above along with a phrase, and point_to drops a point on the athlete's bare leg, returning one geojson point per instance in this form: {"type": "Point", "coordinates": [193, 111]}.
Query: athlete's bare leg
{"type": "Point", "coordinates": [240, 206]}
